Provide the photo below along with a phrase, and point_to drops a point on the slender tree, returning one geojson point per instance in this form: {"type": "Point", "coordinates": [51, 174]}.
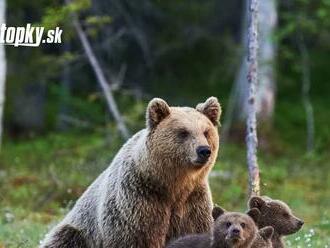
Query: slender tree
{"type": "Point", "coordinates": [265, 93]}
{"type": "Point", "coordinates": [252, 78]}
{"type": "Point", "coordinates": [112, 105]}
{"type": "Point", "coordinates": [2, 69]}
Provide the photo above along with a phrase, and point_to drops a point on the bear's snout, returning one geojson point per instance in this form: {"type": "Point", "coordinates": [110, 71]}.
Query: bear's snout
{"type": "Point", "coordinates": [300, 223]}
{"type": "Point", "coordinates": [203, 154]}
{"type": "Point", "coordinates": [236, 231]}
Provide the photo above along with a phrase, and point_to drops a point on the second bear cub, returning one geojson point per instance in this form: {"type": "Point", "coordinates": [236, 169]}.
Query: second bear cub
{"type": "Point", "coordinates": [277, 214]}
{"type": "Point", "coordinates": [231, 230]}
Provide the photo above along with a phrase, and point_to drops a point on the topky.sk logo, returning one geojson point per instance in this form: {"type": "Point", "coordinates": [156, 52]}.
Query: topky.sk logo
{"type": "Point", "coordinates": [29, 36]}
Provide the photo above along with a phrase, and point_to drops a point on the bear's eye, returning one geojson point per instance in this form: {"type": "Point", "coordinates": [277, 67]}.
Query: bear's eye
{"type": "Point", "coordinates": [228, 224]}
{"type": "Point", "coordinates": [206, 133]}
{"type": "Point", "coordinates": [243, 225]}
{"type": "Point", "coordinates": [286, 215]}
{"type": "Point", "coordinates": [183, 134]}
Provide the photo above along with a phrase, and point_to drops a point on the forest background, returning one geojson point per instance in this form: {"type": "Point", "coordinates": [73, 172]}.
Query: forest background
{"type": "Point", "coordinates": [60, 125]}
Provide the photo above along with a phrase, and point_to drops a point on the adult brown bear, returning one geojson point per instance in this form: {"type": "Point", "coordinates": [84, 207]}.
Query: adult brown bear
{"type": "Point", "coordinates": [156, 187]}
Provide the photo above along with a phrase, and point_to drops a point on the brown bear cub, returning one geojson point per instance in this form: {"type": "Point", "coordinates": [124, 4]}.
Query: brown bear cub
{"type": "Point", "coordinates": [231, 230]}
{"type": "Point", "coordinates": [263, 236]}
{"type": "Point", "coordinates": [277, 214]}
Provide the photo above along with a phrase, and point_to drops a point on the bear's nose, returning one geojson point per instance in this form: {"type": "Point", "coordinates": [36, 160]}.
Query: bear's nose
{"type": "Point", "coordinates": [300, 222]}
{"type": "Point", "coordinates": [236, 231]}
{"type": "Point", "coordinates": [203, 152]}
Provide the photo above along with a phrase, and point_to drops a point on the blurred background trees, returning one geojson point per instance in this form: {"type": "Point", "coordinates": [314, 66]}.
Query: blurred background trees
{"type": "Point", "coordinates": [59, 132]}
{"type": "Point", "coordinates": [182, 51]}
{"type": "Point", "coordinates": [173, 50]}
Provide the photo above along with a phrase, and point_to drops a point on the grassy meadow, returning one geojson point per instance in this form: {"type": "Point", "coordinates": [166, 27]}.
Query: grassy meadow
{"type": "Point", "coordinates": [41, 178]}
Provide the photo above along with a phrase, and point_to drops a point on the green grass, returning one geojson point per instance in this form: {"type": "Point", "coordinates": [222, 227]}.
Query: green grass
{"type": "Point", "coordinates": [41, 178]}
{"type": "Point", "coordinates": [303, 182]}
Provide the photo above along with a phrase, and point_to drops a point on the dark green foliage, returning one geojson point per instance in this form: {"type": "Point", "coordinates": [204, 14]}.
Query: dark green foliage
{"type": "Point", "coordinates": [183, 51]}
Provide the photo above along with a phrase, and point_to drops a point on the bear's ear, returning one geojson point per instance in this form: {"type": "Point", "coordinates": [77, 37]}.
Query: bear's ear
{"type": "Point", "coordinates": [256, 202]}
{"type": "Point", "coordinates": [254, 213]}
{"type": "Point", "coordinates": [157, 111]}
{"type": "Point", "coordinates": [211, 108]}
{"type": "Point", "coordinates": [217, 211]}
{"type": "Point", "coordinates": [266, 233]}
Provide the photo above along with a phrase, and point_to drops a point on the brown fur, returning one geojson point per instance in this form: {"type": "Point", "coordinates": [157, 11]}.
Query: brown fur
{"type": "Point", "coordinates": [277, 214]}
{"type": "Point", "coordinates": [223, 234]}
{"type": "Point", "coordinates": [156, 187]}
{"type": "Point", "coordinates": [264, 238]}
{"type": "Point", "coordinates": [70, 237]}
{"type": "Point", "coordinates": [176, 137]}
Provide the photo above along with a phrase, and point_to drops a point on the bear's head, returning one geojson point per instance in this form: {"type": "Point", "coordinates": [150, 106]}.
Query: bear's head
{"type": "Point", "coordinates": [234, 229]}
{"type": "Point", "coordinates": [183, 136]}
{"type": "Point", "coordinates": [277, 214]}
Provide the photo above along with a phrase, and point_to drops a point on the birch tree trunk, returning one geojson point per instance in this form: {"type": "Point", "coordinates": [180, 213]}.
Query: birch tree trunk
{"type": "Point", "coordinates": [252, 78]}
{"type": "Point", "coordinates": [112, 105]}
{"type": "Point", "coordinates": [2, 69]}
{"type": "Point", "coordinates": [265, 94]}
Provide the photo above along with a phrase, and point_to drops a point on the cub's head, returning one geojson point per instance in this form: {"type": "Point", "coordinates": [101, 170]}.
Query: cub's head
{"type": "Point", "coordinates": [183, 135]}
{"type": "Point", "coordinates": [277, 214]}
{"type": "Point", "coordinates": [235, 229]}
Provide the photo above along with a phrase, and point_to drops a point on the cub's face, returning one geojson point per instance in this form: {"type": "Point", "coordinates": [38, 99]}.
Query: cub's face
{"type": "Point", "coordinates": [284, 220]}
{"type": "Point", "coordinates": [277, 214]}
{"type": "Point", "coordinates": [182, 135]}
{"type": "Point", "coordinates": [235, 229]}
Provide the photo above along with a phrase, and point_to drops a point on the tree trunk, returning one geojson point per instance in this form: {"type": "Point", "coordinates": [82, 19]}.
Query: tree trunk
{"type": "Point", "coordinates": [101, 78]}
{"type": "Point", "coordinates": [265, 96]}
{"type": "Point", "coordinates": [2, 69]}
{"type": "Point", "coordinates": [252, 78]}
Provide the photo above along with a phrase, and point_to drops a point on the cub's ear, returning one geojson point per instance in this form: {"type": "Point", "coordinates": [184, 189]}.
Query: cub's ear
{"type": "Point", "coordinates": [217, 211]}
{"type": "Point", "coordinates": [211, 108]}
{"type": "Point", "coordinates": [254, 213]}
{"type": "Point", "coordinates": [157, 111]}
{"type": "Point", "coordinates": [266, 233]}
{"type": "Point", "coordinates": [256, 202]}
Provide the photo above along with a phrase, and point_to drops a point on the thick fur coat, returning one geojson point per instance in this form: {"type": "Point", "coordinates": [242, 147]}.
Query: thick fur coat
{"type": "Point", "coordinates": [156, 187]}
{"type": "Point", "coordinates": [264, 238]}
{"type": "Point", "coordinates": [231, 230]}
{"type": "Point", "coordinates": [277, 214]}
